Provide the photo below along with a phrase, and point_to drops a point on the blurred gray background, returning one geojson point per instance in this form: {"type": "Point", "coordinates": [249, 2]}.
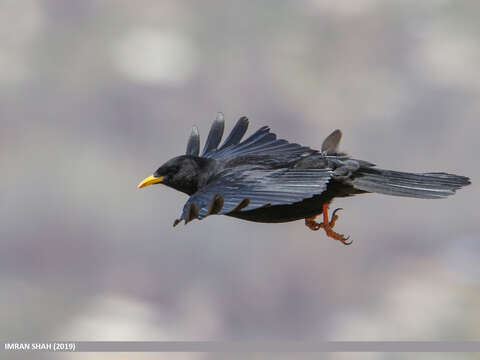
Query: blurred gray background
{"type": "Point", "coordinates": [95, 95]}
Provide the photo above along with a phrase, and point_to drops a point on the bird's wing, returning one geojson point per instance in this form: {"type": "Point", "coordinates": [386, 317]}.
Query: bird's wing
{"type": "Point", "coordinates": [262, 142]}
{"type": "Point", "coordinates": [331, 142]}
{"type": "Point", "coordinates": [193, 145]}
{"type": "Point", "coordinates": [253, 189]}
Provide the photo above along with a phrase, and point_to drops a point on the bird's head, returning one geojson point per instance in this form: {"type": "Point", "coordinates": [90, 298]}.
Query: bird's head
{"type": "Point", "coordinates": [182, 173]}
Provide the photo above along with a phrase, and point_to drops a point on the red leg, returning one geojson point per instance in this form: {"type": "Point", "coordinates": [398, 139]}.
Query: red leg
{"type": "Point", "coordinates": [327, 225]}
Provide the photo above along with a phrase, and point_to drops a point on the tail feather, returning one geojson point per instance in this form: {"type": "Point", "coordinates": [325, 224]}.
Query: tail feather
{"type": "Point", "coordinates": [427, 185]}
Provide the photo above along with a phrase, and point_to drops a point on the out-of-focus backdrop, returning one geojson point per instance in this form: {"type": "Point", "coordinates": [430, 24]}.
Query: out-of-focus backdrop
{"type": "Point", "coordinates": [95, 95]}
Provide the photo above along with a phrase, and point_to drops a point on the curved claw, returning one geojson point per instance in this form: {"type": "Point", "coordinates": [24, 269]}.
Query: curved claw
{"type": "Point", "coordinates": [315, 227]}
{"type": "Point", "coordinates": [328, 225]}
{"type": "Point", "coordinates": [344, 240]}
{"type": "Point", "coordinates": [335, 211]}
{"type": "Point", "coordinates": [312, 224]}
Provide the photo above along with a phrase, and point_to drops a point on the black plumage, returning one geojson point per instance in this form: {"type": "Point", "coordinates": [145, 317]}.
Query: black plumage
{"type": "Point", "coordinates": [265, 179]}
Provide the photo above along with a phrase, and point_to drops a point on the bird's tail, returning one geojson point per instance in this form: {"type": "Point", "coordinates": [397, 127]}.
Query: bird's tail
{"type": "Point", "coordinates": [427, 185]}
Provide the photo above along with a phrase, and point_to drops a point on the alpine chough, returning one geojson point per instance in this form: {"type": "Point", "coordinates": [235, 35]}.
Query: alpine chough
{"type": "Point", "coordinates": [270, 180]}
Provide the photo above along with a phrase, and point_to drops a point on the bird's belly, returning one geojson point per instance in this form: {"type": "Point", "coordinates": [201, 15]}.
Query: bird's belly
{"type": "Point", "coordinates": [283, 213]}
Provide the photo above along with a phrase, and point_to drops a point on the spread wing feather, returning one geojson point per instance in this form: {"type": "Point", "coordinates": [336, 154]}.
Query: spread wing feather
{"type": "Point", "coordinates": [255, 189]}
{"type": "Point", "coordinates": [193, 145]}
{"type": "Point", "coordinates": [261, 142]}
{"type": "Point", "coordinates": [236, 134]}
{"type": "Point", "coordinates": [214, 135]}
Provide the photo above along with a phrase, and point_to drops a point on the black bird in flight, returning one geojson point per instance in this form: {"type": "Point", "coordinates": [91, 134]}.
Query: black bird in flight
{"type": "Point", "coordinates": [270, 180]}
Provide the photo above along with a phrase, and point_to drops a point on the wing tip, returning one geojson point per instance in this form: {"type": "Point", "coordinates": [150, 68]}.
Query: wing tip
{"type": "Point", "coordinates": [220, 117]}
{"type": "Point", "coordinates": [193, 144]}
{"type": "Point", "coordinates": [332, 141]}
{"type": "Point", "coordinates": [243, 119]}
{"type": "Point", "coordinates": [215, 134]}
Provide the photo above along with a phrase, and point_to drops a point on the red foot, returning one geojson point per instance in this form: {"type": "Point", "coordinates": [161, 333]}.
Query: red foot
{"type": "Point", "coordinates": [327, 225]}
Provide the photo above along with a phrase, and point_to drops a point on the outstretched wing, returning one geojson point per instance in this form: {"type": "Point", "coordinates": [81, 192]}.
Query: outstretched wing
{"type": "Point", "coordinates": [262, 142]}
{"type": "Point", "coordinates": [254, 189]}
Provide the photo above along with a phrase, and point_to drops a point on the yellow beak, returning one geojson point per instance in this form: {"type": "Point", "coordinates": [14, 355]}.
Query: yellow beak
{"type": "Point", "coordinates": [150, 181]}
